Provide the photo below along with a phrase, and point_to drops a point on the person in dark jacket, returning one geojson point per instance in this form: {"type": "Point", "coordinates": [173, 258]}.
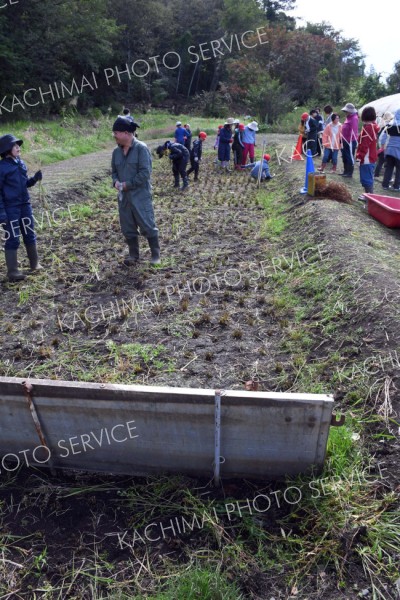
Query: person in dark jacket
{"type": "Point", "coordinates": [16, 214]}
{"type": "Point", "coordinates": [312, 132]}
{"type": "Point", "coordinates": [188, 141]}
{"type": "Point", "coordinates": [179, 155]}
{"type": "Point", "coordinates": [391, 140]}
{"type": "Point", "coordinates": [224, 146]}
{"type": "Point", "coordinates": [195, 155]}
{"type": "Point", "coordinates": [238, 145]}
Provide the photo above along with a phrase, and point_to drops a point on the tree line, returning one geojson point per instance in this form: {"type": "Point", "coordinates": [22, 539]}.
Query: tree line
{"type": "Point", "coordinates": [210, 55]}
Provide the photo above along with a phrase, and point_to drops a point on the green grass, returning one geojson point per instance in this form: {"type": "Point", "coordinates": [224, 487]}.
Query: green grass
{"type": "Point", "coordinates": [200, 583]}
{"type": "Point", "coordinates": [70, 135]}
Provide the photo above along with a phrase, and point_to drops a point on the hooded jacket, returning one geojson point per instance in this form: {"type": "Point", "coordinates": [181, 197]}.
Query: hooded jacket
{"type": "Point", "coordinates": [367, 152]}
{"type": "Point", "coordinates": [350, 128]}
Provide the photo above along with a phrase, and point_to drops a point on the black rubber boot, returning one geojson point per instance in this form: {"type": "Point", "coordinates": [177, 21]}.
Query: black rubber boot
{"type": "Point", "coordinates": [33, 258]}
{"type": "Point", "coordinates": [12, 266]}
{"type": "Point", "coordinates": [133, 255]}
{"type": "Point", "coordinates": [176, 180]}
{"type": "Point", "coordinates": [185, 183]}
{"type": "Point", "coordinates": [155, 250]}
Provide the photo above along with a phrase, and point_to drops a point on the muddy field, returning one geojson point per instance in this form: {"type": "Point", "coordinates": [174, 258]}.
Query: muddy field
{"type": "Point", "coordinates": [296, 293]}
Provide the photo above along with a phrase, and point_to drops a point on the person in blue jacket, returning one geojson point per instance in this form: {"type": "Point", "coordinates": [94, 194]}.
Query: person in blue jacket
{"type": "Point", "coordinates": [255, 168]}
{"type": "Point", "coordinates": [16, 215]}
{"type": "Point", "coordinates": [180, 135]}
{"type": "Point", "coordinates": [224, 145]}
{"type": "Point", "coordinates": [195, 155]}
{"type": "Point", "coordinates": [179, 155]}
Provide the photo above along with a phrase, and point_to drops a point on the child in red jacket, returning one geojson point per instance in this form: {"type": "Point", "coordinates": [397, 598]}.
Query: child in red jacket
{"type": "Point", "coordinates": [366, 150]}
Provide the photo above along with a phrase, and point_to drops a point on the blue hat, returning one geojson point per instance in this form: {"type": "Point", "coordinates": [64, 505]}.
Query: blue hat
{"type": "Point", "coordinates": [7, 142]}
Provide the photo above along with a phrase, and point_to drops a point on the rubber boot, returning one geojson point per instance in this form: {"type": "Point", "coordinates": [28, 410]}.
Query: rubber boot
{"type": "Point", "coordinates": [333, 170]}
{"type": "Point", "coordinates": [12, 266]}
{"type": "Point", "coordinates": [196, 177]}
{"type": "Point", "coordinates": [33, 258]}
{"type": "Point", "coordinates": [185, 183]}
{"type": "Point", "coordinates": [176, 180]}
{"type": "Point", "coordinates": [133, 255]}
{"type": "Point", "coordinates": [321, 169]}
{"type": "Point", "coordinates": [155, 250]}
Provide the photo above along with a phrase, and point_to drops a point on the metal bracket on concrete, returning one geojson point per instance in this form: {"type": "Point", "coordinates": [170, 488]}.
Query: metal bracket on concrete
{"type": "Point", "coordinates": [28, 387]}
{"type": "Point", "coordinates": [218, 459]}
{"type": "Point", "coordinates": [335, 422]}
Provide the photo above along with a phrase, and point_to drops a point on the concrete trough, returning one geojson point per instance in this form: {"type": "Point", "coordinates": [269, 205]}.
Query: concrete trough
{"type": "Point", "coordinates": [141, 430]}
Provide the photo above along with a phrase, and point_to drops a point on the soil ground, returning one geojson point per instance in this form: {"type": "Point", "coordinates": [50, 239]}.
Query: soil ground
{"type": "Point", "coordinates": [212, 315]}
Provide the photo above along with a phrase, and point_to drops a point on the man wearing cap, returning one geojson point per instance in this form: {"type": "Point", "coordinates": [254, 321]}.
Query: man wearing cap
{"type": "Point", "coordinates": [15, 207]}
{"type": "Point", "coordinates": [349, 139]}
{"type": "Point", "coordinates": [180, 134]}
{"type": "Point", "coordinates": [249, 141]}
{"type": "Point", "coordinates": [179, 156]}
{"type": "Point", "coordinates": [131, 175]}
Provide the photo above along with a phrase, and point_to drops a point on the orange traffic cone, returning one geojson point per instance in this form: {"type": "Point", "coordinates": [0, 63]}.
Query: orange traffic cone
{"type": "Point", "coordinates": [297, 151]}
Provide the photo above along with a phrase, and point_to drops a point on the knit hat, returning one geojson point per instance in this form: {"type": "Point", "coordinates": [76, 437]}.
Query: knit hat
{"type": "Point", "coordinates": [304, 116]}
{"type": "Point", "coordinates": [124, 124]}
{"type": "Point", "coordinates": [253, 126]}
{"type": "Point", "coordinates": [202, 135]}
{"type": "Point", "coordinates": [350, 108]}
{"type": "Point", "coordinates": [7, 142]}
{"type": "Point", "coordinates": [267, 157]}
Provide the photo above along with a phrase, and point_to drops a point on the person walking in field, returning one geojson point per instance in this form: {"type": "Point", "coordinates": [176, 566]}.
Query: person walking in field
{"type": "Point", "coordinates": [131, 175]}
{"type": "Point", "coordinates": [195, 155]}
{"type": "Point", "coordinates": [249, 141]}
{"type": "Point", "coordinates": [349, 139]}
{"type": "Point", "coordinates": [16, 215]}
{"type": "Point", "coordinates": [331, 141]}
{"type": "Point", "coordinates": [367, 152]}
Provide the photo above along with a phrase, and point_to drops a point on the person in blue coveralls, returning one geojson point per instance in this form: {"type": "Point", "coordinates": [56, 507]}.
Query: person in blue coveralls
{"type": "Point", "coordinates": [255, 168]}
{"type": "Point", "coordinates": [131, 175]}
{"type": "Point", "coordinates": [16, 215]}
{"type": "Point", "coordinates": [180, 134]}
{"type": "Point", "coordinates": [179, 156]}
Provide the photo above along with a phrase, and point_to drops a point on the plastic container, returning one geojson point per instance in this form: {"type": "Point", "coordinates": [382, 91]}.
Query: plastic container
{"type": "Point", "coordinates": [385, 209]}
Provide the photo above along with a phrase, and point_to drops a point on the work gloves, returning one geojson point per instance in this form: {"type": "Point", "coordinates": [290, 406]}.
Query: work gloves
{"type": "Point", "coordinates": [38, 176]}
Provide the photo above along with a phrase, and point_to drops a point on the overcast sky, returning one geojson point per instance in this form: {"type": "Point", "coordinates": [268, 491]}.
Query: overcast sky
{"type": "Point", "coordinates": [377, 31]}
